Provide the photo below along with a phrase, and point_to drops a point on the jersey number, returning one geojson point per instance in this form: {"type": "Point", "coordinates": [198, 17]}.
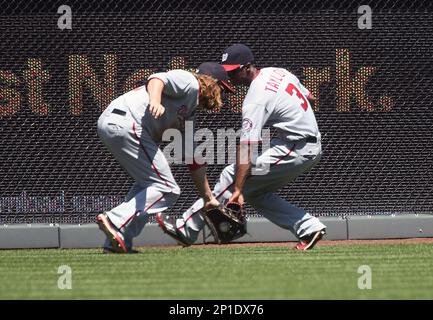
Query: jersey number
{"type": "Point", "coordinates": [290, 88]}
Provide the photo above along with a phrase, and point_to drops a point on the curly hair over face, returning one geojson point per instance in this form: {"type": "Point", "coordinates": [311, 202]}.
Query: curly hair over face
{"type": "Point", "coordinates": [210, 93]}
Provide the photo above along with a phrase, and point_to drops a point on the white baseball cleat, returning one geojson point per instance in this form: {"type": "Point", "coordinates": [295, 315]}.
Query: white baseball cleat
{"type": "Point", "coordinates": [113, 234]}
{"type": "Point", "coordinates": [168, 225]}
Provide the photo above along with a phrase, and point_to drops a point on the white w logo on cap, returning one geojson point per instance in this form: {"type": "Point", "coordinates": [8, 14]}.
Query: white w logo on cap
{"type": "Point", "coordinates": [225, 56]}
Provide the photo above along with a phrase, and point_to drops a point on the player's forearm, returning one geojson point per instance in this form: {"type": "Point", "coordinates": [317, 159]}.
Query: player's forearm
{"type": "Point", "coordinates": [201, 182]}
{"type": "Point", "coordinates": [154, 88]}
{"type": "Point", "coordinates": [242, 172]}
{"type": "Point", "coordinates": [243, 166]}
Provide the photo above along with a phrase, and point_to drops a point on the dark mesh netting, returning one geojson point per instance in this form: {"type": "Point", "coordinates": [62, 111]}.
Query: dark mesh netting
{"type": "Point", "coordinates": [374, 88]}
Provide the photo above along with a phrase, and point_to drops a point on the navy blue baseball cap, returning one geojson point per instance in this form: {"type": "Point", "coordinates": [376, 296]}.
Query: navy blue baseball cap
{"type": "Point", "coordinates": [216, 71]}
{"type": "Point", "coordinates": [236, 56]}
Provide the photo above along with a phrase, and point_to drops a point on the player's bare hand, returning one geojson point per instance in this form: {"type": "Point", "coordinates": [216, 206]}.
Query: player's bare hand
{"type": "Point", "coordinates": [238, 197]}
{"type": "Point", "coordinates": [211, 203]}
{"type": "Point", "coordinates": [156, 109]}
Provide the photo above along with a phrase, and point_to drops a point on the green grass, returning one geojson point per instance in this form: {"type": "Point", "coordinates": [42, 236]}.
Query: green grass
{"type": "Point", "coordinates": [399, 271]}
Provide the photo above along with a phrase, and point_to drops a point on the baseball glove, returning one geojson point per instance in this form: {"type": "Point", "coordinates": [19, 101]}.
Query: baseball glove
{"type": "Point", "coordinates": [226, 223]}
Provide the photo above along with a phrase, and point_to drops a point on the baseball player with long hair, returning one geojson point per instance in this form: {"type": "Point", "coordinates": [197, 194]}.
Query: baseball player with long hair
{"type": "Point", "coordinates": [276, 98]}
{"type": "Point", "coordinates": [131, 128]}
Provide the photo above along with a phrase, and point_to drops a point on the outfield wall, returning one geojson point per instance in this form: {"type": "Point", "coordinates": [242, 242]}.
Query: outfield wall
{"type": "Point", "coordinates": [373, 86]}
{"type": "Point", "coordinates": [259, 230]}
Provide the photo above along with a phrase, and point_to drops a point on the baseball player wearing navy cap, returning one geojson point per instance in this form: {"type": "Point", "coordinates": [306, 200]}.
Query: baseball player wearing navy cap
{"type": "Point", "coordinates": [275, 98]}
{"type": "Point", "coordinates": [218, 72]}
{"type": "Point", "coordinates": [236, 57]}
{"type": "Point", "coordinates": [131, 128]}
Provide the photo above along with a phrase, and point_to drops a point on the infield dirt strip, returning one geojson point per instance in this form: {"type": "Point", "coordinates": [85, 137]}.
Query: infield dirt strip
{"type": "Point", "coordinates": [321, 243]}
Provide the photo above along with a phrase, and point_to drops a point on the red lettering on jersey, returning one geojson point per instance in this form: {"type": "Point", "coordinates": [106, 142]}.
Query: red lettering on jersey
{"type": "Point", "coordinates": [275, 80]}
{"type": "Point", "coordinates": [290, 88]}
{"type": "Point", "coordinates": [270, 89]}
{"type": "Point", "coordinates": [272, 84]}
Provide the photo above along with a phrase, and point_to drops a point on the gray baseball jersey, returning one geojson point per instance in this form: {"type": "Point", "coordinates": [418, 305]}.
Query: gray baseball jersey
{"type": "Point", "coordinates": [179, 97]}
{"type": "Point", "coordinates": [277, 98]}
{"type": "Point", "coordinates": [131, 134]}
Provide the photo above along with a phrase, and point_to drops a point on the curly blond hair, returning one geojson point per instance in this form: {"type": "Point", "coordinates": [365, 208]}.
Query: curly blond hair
{"type": "Point", "coordinates": [210, 93]}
